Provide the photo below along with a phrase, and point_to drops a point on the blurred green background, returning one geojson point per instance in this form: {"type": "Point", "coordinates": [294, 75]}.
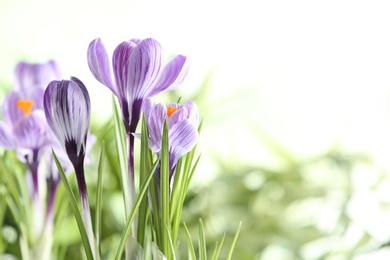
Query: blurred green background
{"type": "Point", "coordinates": [295, 100]}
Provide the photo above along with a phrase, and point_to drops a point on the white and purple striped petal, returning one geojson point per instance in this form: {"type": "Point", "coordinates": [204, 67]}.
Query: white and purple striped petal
{"type": "Point", "coordinates": [144, 68]}
{"type": "Point", "coordinates": [35, 75]}
{"type": "Point", "coordinates": [183, 137]}
{"type": "Point", "coordinates": [155, 122]}
{"type": "Point", "coordinates": [99, 64]}
{"type": "Point", "coordinates": [10, 111]}
{"type": "Point", "coordinates": [172, 75]}
{"type": "Point", "coordinates": [67, 110]}
{"type": "Point", "coordinates": [188, 110]}
{"type": "Point", "coordinates": [6, 136]}
{"type": "Point", "coordinates": [31, 131]}
{"type": "Point", "coordinates": [120, 63]}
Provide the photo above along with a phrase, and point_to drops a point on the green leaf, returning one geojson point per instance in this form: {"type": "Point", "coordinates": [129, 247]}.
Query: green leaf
{"type": "Point", "coordinates": [202, 242]}
{"type": "Point", "coordinates": [75, 209]}
{"type": "Point", "coordinates": [218, 251]}
{"type": "Point", "coordinates": [99, 194]}
{"type": "Point", "coordinates": [191, 250]}
{"type": "Point", "coordinates": [171, 246]}
{"type": "Point", "coordinates": [120, 139]}
{"type": "Point", "coordinates": [134, 209]}
{"type": "Point", "coordinates": [177, 187]}
{"type": "Point", "coordinates": [145, 165]}
{"type": "Point", "coordinates": [186, 179]}
{"type": "Point", "coordinates": [164, 192]}
{"type": "Point", "coordinates": [234, 242]}
{"type": "Point", "coordinates": [18, 199]}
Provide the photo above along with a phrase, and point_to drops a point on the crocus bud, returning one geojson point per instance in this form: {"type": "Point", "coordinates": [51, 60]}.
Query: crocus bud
{"type": "Point", "coordinates": [67, 109]}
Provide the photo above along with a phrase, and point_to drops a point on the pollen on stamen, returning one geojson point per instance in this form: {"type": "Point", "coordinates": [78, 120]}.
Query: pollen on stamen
{"type": "Point", "coordinates": [25, 105]}
{"type": "Point", "coordinates": [171, 110]}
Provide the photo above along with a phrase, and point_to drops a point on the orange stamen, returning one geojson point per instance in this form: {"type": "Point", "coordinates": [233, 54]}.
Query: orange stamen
{"type": "Point", "coordinates": [171, 110]}
{"type": "Point", "coordinates": [25, 105]}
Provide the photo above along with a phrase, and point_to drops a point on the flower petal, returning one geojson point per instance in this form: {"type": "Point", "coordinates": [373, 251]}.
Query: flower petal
{"type": "Point", "coordinates": [6, 137]}
{"type": "Point", "coordinates": [144, 68]}
{"type": "Point", "coordinates": [11, 113]}
{"type": "Point", "coordinates": [155, 122]}
{"type": "Point", "coordinates": [67, 109]}
{"type": "Point", "coordinates": [188, 110]}
{"type": "Point", "coordinates": [182, 139]}
{"type": "Point", "coordinates": [29, 76]}
{"type": "Point", "coordinates": [99, 64]}
{"type": "Point", "coordinates": [31, 131]}
{"type": "Point", "coordinates": [172, 75]}
{"type": "Point", "coordinates": [120, 63]}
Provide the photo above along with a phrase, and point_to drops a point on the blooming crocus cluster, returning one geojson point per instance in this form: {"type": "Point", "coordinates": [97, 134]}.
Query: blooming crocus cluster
{"type": "Point", "coordinates": [46, 120]}
{"type": "Point", "coordinates": [137, 73]}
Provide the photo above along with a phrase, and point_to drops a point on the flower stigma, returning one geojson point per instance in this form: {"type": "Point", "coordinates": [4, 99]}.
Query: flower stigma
{"type": "Point", "coordinates": [171, 110]}
{"type": "Point", "coordinates": [25, 105]}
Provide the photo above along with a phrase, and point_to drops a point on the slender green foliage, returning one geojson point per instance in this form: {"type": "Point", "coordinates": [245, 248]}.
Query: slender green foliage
{"type": "Point", "coordinates": [217, 249]}
{"type": "Point", "coordinates": [122, 155]}
{"type": "Point", "coordinates": [202, 242]}
{"type": "Point", "coordinates": [75, 209]}
{"type": "Point", "coordinates": [234, 242]}
{"type": "Point", "coordinates": [164, 191]}
{"type": "Point", "coordinates": [99, 194]}
{"type": "Point", "coordinates": [191, 250]}
{"type": "Point", "coordinates": [145, 165]}
{"type": "Point", "coordinates": [134, 209]}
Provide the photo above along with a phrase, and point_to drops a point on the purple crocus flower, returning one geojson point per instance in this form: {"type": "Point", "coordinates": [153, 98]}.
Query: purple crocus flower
{"type": "Point", "coordinates": [138, 73]}
{"type": "Point", "coordinates": [25, 129]}
{"type": "Point", "coordinates": [182, 128]}
{"type": "Point", "coordinates": [35, 75]}
{"type": "Point", "coordinates": [22, 111]}
{"type": "Point", "coordinates": [67, 109]}
{"type": "Point", "coordinates": [21, 105]}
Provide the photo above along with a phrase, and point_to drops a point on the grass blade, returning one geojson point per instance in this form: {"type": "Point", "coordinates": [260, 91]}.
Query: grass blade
{"type": "Point", "coordinates": [234, 242]}
{"type": "Point", "coordinates": [134, 210]}
{"type": "Point", "coordinates": [219, 248]}
{"type": "Point", "coordinates": [99, 194]}
{"type": "Point", "coordinates": [202, 242]}
{"type": "Point", "coordinates": [191, 250]}
{"type": "Point", "coordinates": [164, 192]}
{"type": "Point", "coordinates": [171, 246]}
{"type": "Point", "coordinates": [145, 165]}
{"type": "Point", "coordinates": [120, 139]}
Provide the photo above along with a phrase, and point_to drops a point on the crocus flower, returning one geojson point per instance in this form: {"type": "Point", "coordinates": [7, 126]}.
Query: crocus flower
{"type": "Point", "coordinates": [23, 126]}
{"type": "Point", "coordinates": [67, 109]}
{"type": "Point", "coordinates": [138, 73]}
{"type": "Point", "coordinates": [35, 75]}
{"type": "Point", "coordinates": [25, 129]}
{"type": "Point", "coordinates": [182, 128]}
{"type": "Point", "coordinates": [21, 106]}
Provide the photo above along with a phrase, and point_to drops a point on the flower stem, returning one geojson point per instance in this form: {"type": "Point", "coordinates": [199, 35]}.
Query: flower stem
{"type": "Point", "coordinates": [33, 163]}
{"type": "Point", "coordinates": [130, 140]}
{"type": "Point", "coordinates": [85, 211]}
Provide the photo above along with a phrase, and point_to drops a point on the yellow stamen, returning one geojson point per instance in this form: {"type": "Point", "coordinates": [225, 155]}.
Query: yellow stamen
{"type": "Point", "coordinates": [25, 105]}
{"type": "Point", "coordinates": [171, 110]}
